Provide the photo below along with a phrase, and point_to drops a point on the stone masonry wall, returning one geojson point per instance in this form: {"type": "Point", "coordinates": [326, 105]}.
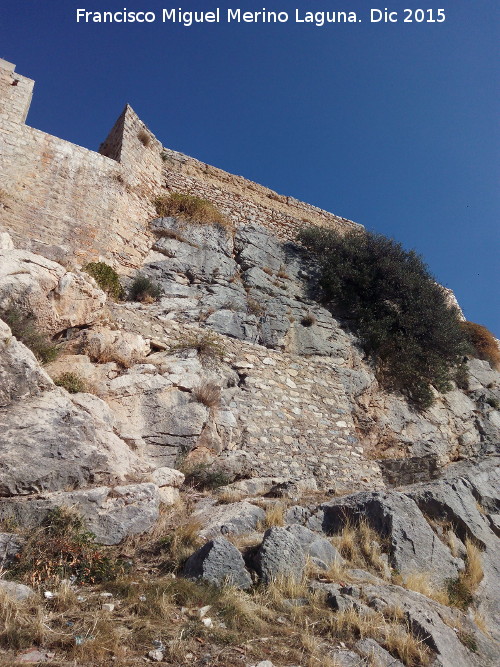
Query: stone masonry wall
{"type": "Point", "coordinates": [244, 201]}
{"type": "Point", "coordinates": [67, 202]}
{"type": "Point", "coordinates": [72, 204]}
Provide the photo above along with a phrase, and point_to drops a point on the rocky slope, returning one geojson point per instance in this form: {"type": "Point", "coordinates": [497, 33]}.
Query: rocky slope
{"type": "Point", "coordinates": [239, 376]}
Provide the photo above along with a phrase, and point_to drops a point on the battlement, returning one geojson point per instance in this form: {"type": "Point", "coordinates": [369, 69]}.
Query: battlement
{"type": "Point", "coordinates": [72, 204]}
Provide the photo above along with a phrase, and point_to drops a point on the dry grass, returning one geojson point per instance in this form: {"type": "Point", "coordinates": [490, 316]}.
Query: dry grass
{"type": "Point", "coordinates": [209, 394]}
{"type": "Point", "coordinates": [461, 590]}
{"type": "Point", "coordinates": [180, 543]}
{"type": "Point", "coordinates": [106, 354]}
{"type": "Point", "coordinates": [171, 234]}
{"type": "Point", "coordinates": [346, 542]}
{"type": "Point", "coordinates": [227, 496]}
{"type": "Point", "coordinates": [473, 573]}
{"type": "Point", "coordinates": [254, 307]}
{"type": "Point", "coordinates": [21, 623]}
{"type": "Point", "coordinates": [360, 545]}
{"type": "Point", "coordinates": [483, 342]}
{"type": "Point", "coordinates": [397, 638]}
{"type": "Point", "coordinates": [205, 314]}
{"type": "Point", "coordinates": [420, 582]}
{"type": "Point", "coordinates": [282, 273]}
{"type": "Point", "coordinates": [411, 650]}
{"type": "Point", "coordinates": [246, 626]}
{"type": "Point", "coordinates": [480, 622]}
{"type": "Point", "coordinates": [275, 516]}
{"type": "Point", "coordinates": [451, 541]}
{"type": "Point", "coordinates": [336, 572]}
{"type": "Point", "coordinates": [243, 610]}
{"type": "Point", "coordinates": [192, 209]}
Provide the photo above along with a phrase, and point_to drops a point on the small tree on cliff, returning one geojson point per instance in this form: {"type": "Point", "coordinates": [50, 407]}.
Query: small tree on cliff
{"type": "Point", "coordinates": [397, 309]}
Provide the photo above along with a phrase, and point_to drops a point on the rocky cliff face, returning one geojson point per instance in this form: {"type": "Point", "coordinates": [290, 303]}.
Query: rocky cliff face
{"type": "Point", "coordinates": [237, 371]}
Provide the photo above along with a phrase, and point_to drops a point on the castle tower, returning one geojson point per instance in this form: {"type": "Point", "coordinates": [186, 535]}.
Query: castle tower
{"type": "Point", "coordinates": [16, 92]}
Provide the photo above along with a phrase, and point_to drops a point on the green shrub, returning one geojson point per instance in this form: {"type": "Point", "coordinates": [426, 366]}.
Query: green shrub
{"type": "Point", "coordinates": [397, 309]}
{"type": "Point", "coordinates": [106, 277]}
{"type": "Point", "coordinates": [203, 476]}
{"type": "Point", "coordinates": [459, 593]}
{"type": "Point", "coordinates": [484, 345]}
{"type": "Point", "coordinates": [25, 329]}
{"type": "Point", "coordinates": [71, 382]}
{"type": "Point", "coordinates": [145, 290]}
{"type": "Point", "coordinates": [191, 208]}
{"type": "Point", "coordinates": [63, 548]}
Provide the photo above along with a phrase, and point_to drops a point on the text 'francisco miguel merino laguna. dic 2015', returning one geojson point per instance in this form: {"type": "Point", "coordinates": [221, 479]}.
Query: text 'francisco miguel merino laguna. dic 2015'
{"type": "Point", "coordinates": [317, 18]}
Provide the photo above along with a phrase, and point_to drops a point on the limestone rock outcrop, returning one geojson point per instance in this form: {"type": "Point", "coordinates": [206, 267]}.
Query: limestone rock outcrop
{"type": "Point", "coordinates": [58, 298]}
{"type": "Point", "coordinates": [49, 440]}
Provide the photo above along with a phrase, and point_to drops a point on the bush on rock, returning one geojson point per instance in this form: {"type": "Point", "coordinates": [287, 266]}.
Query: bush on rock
{"type": "Point", "coordinates": [396, 307]}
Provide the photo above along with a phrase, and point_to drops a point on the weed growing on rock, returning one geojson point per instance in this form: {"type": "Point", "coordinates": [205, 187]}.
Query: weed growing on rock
{"type": "Point", "coordinates": [208, 394]}
{"type": "Point", "coordinates": [203, 476]}
{"type": "Point", "coordinates": [208, 347]}
{"type": "Point", "coordinates": [254, 307]}
{"type": "Point", "coordinates": [421, 582]}
{"type": "Point", "coordinates": [71, 382]}
{"type": "Point", "coordinates": [143, 289]}
{"type": "Point", "coordinates": [24, 328]}
{"type": "Point", "coordinates": [144, 137]}
{"type": "Point", "coordinates": [282, 273]}
{"type": "Point", "coordinates": [107, 279]}
{"type": "Point", "coordinates": [461, 590]}
{"type": "Point", "coordinates": [360, 545]}
{"type": "Point", "coordinates": [462, 377]}
{"type": "Point", "coordinates": [190, 208]}
{"type": "Point", "coordinates": [468, 640]}
{"type": "Point", "coordinates": [308, 320]}
{"type": "Point", "coordinates": [397, 309]}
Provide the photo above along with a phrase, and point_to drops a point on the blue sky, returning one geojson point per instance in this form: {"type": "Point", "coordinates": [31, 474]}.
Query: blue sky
{"type": "Point", "coordinates": [394, 126]}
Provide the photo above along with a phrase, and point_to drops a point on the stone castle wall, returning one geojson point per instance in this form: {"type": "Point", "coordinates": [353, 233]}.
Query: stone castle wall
{"type": "Point", "coordinates": [72, 204]}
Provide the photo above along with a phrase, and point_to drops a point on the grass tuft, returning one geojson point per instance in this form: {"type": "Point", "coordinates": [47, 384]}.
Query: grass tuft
{"type": "Point", "coordinates": [209, 394]}
{"type": "Point", "coordinates": [208, 346]}
{"type": "Point", "coordinates": [190, 208]}
{"type": "Point", "coordinates": [275, 516]}
{"type": "Point", "coordinates": [72, 382]}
